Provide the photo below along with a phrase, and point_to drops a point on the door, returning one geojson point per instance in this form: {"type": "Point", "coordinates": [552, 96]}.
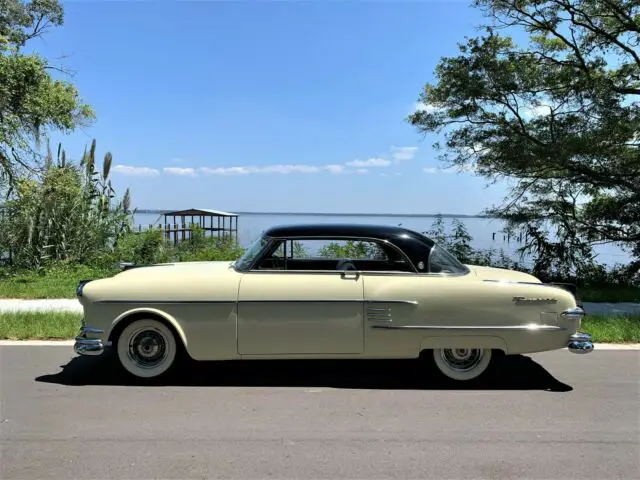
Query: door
{"type": "Point", "coordinates": [300, 313]}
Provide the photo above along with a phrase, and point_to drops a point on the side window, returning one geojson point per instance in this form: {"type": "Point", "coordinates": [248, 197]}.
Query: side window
{"type": "Point", "coordinates": [290, 249]}
{"type": "Point", "coordinates": [330, 254]}
{"type": "Point", "coordinates": [350, 249]}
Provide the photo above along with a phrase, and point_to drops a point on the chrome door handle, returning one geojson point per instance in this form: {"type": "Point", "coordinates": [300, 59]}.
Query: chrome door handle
{"type": "Point", "coordinates": [350, 274]}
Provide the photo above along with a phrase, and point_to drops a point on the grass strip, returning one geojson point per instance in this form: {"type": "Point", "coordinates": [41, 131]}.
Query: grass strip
{"type": "Point", "coordinates": [613, 328]}
{"type": "Point", "coordinates": [58, 283]}
{"type": "Point", "coordinates": [39, 325]}
{"type": "Point", "coordinates": [65, 325]}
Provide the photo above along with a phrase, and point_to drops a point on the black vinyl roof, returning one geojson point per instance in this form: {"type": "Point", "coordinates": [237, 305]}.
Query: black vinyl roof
{"type": "Point", "coordinates": [382, 232]}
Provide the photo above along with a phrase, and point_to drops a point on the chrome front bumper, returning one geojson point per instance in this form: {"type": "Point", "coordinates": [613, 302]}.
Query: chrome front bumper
{"type": "Point", "coordinates": [580, 343]}
{"type": "Point", "coordinates": [85, 345]}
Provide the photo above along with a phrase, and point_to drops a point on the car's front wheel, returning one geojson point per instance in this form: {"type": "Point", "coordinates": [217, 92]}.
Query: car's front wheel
{"type": "Point", "coordinates": [462, 363]}
{"type": "Point", "coordinates": [147, 348]}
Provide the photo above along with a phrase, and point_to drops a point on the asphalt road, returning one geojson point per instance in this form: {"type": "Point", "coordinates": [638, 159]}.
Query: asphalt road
{"type": "Point", "coordinates": [552, 415]}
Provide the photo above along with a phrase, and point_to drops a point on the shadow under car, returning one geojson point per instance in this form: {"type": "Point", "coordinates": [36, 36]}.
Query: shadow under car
{"type": "Point", "coordinates": [508, 373]}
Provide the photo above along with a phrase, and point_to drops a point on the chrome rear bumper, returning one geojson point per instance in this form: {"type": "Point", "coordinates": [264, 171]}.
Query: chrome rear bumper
{"type": "Point", "coordinates": [88, 346]}
{"type": "Point", "coordinates": [580, 343]}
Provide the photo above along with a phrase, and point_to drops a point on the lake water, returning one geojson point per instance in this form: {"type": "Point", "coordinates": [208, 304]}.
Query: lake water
{"type": "Point", "coordinates": [251, 225]}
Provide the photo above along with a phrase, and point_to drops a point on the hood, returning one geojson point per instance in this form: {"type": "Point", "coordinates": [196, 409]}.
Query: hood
{"type": "Point", "coordinates": [180, 268]}
{"type": "Point", "coordinates": [492, 273]}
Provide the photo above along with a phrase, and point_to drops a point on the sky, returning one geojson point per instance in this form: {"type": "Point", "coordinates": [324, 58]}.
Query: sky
{"type": "Point", "coordinates": [265, 106]}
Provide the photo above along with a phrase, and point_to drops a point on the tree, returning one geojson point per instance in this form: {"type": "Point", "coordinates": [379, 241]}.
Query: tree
{"type": "Point", "coordinates": [558, 118]}
{"type": "Point", "coordinates": [31, 100]}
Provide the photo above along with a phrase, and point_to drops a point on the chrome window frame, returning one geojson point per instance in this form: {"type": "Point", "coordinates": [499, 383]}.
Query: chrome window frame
{"type": "Point", "coordinates": [272, 240]}
{"type": "Point", "coordinates": [278, 240]}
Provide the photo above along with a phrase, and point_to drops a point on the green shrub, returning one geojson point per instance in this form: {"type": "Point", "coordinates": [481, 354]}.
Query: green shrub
{"type": "Point", "coordinates": [67, 213]}
{"type": "Point", "coordinates": [199, 247]}
{"type": "Point", "coordinates": [147, 247]}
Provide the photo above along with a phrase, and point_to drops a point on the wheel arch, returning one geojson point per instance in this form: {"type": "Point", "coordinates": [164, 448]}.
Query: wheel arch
{"type": "Point", "coordinates": [126, 318]}
{"type": "Point", "coordinates": [491, 342]}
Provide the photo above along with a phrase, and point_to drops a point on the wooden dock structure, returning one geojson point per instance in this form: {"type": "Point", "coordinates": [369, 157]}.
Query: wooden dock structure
{"type": "Point", "coordinates": [212, 222]}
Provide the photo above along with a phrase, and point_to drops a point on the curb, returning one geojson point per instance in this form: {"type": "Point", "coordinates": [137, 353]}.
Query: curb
{"type": "Point", "coordinates": [15, 305]}
{"type": "Point", "coordinates": [69, 343]}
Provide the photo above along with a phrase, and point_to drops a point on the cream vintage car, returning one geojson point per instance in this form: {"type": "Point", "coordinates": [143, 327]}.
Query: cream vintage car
{"type": "Point", "coordinates": [327, 292]}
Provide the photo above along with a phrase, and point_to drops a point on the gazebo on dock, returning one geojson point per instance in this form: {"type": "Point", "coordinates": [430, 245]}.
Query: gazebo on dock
{"type": "Point", "coordinates": [212, 222]}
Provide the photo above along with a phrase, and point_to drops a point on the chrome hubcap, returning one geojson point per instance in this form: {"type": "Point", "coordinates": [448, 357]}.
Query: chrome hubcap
{"type": "Point", "coordinates": [461, 359]}
{"type": "Point", "coordinates": [147, 348]}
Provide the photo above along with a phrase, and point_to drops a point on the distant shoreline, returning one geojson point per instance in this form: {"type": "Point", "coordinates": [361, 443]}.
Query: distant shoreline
{"type": "Point", "coordinates": [329, 214]}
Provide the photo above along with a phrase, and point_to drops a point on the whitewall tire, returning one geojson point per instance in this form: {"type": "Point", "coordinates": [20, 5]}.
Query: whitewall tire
{"type": "Point", "coordinates": [147, 348]}
{"type": "Point", "coordinates": [462, 363]}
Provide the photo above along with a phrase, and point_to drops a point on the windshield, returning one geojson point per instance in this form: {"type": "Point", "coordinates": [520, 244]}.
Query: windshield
{"type": "Point", "coordinates": [441, 261]}
{"type": "Point", "coordinates": [250, 254]}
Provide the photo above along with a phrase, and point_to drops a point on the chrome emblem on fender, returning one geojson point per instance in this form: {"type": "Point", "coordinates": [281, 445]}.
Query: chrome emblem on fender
{"type": "Point", "coordinates": [534, 300]}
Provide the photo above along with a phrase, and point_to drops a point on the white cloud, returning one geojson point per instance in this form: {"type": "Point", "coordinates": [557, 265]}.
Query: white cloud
{"type": "Point", "coordinates": [476, 149]}
{"type": "Point", "coordinates": [456, 169]}
{"type": "Point", "coordinates": [278, 169]}
{"type": "Point", "coordinates": [423, 107]}
{"type": "Point", "coordinates": [370, 162]}
{"type": "Point", "coordinates": [179, 171]}
{"type": "Point", "coordinates": [334, 168]}
{"type": "Point", "coordinates": [530, 112]}
{"type": "Point", "coordinates": [226, 170]}
{"type": "Point", "coordinates": [136, 171]}
{"type": "Point", "coordinates": [285, 169]}
{"type": "Point", "coordinates": [401, 154]}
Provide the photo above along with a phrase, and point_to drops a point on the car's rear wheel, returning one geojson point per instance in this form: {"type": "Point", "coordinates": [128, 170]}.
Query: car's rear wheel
{"type": "Point", "coordinates": [147, 348]}
{"type": "Point", "coordinates": [462, 363]}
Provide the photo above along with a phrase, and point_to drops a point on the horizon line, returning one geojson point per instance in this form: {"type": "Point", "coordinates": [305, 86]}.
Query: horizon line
{"type": "Point", "coordinates": [337, 214]}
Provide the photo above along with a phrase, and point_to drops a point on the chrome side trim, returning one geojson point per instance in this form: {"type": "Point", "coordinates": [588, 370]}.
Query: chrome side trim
{"type": "Point", "coordinates": [319, 300]}
{"type": "Point", "coordinates": [328, 300]}
{"type": "Point", "coordinates": [164, 302]}
{"type": "Point", "coordinates": [406, 302]}
{"type": "Point", "coordinates": [525, 328]}
{"type": "Point", "coordinates": [332, 300]}
{"type": "Point", "coordinates": [379, 314]}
